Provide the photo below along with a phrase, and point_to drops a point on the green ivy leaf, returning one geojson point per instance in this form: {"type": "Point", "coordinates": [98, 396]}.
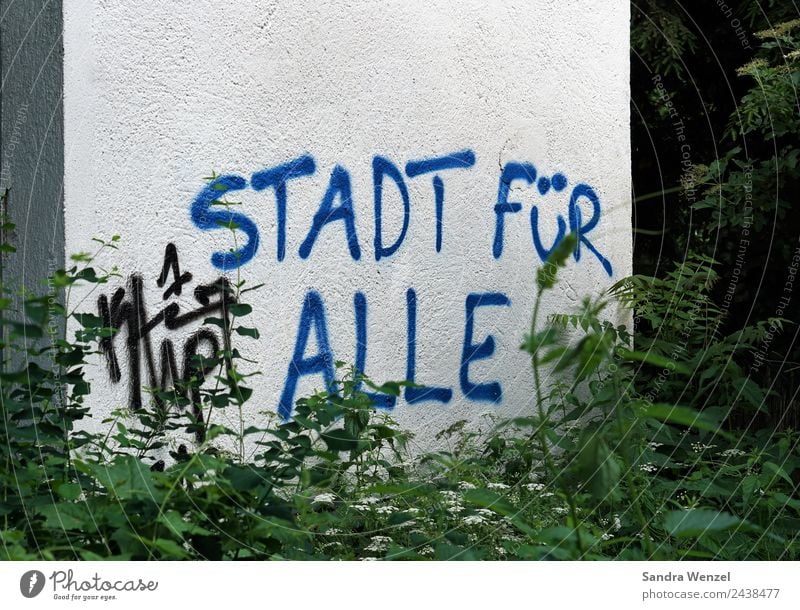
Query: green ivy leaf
{"type": "Point", "coordinates": [695, 522]}
{"type": "Point", "coordinates": [546, 275]}
{"type": "Point", "coordinates": [240, 309]}
{"type": "Point", "coordinates": [684, 416]}
{"type": "Point", "coordinates": [598, 467]}
{"type": "Point", "coordinates": [247, 332]}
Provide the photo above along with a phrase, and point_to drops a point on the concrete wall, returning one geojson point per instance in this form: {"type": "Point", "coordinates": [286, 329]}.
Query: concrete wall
{"type": "Point", "coordinates": [31, 141]}
{"type": "Point", "coordinates": [342, 130]}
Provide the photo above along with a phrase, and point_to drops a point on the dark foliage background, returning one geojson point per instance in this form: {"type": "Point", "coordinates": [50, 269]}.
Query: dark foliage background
{"type": "Point", "coordinates": [714, 88]}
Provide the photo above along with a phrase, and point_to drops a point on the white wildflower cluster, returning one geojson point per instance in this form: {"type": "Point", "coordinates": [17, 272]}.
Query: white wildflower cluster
{"type": "Point", "coordinates": [326, 498]}
{"type": "Point", "coordinates": [732, 453]}
{"type": "Point", "coordinates": [648, 467]}
{"type": "Point", "coordinates": [465, 485]}
{"type": "Point", "coordinates": [500, 551]}
{"type": "Point", "coordinates": [365, 504]}
{"type": "Point", "coordinates": [560, 510]}
{"type": "Point", "coordinates": [497, 486]}
{"type": "Point", "coordinates": [534, 486]}
{"type": "Point", "coordinates": [485, 512]}
{"type": "Point", "coordinates": [426, 551]}
{"type": "Point", "coordinates": [378, 544]}
{"type": "Point", "coordinates": [653, 445]}
{"type": "Point", "coordinates": [369, 559]}
{"type": "Point", "coordinates": [333, 531]}
{"type": "Point", "coordinates": [607, 536]}
{"type": "Point", "coordinates": [700, 447]}
{"type": "Point", "coordinates": [617, 523]}
{"type": "Point", "coordinates": [453, 501]}
{"type": "Point", "coordinates": [474, 520]}
{"type": "Point", "coordinates": [385, 510]}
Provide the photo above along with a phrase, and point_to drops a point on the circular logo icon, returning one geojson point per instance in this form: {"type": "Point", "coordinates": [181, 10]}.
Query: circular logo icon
{"type": "Point", "coordinates": [31, 583]}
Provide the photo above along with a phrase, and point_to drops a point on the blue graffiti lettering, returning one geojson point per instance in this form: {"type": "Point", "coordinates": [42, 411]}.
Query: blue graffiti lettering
{"type": "Point", "coordinates": [414, 395]}
{"type": "Point", "coordinates": [580, 230]}
{"type": "Point", "coordinates": [339, 185]}
{"type": "Point", "coordinates": [511, 172]}
{"type": "Point", "coordinates": [313, 314]}
{"type": "Point", "coordinates": [490, 391]}
{"type": "Point", "coordinates": [558, 183]}
{"type": "Point", "coordinates": [277, 177]}
{"type": "Point", "coordinates": [383, 167]}
{"type": "Point", "coordinates": [458, 160]}
{"type": "Point", "coordinates": [537, 241]}
{"type": "Point", "coordinates": [380, 400]}
{"type": "Point", "coordinates": [207, 219]}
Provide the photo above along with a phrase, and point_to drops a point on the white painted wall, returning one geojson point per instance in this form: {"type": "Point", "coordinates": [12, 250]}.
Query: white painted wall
{"type": "Point", "coordinates": [159, 95]}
